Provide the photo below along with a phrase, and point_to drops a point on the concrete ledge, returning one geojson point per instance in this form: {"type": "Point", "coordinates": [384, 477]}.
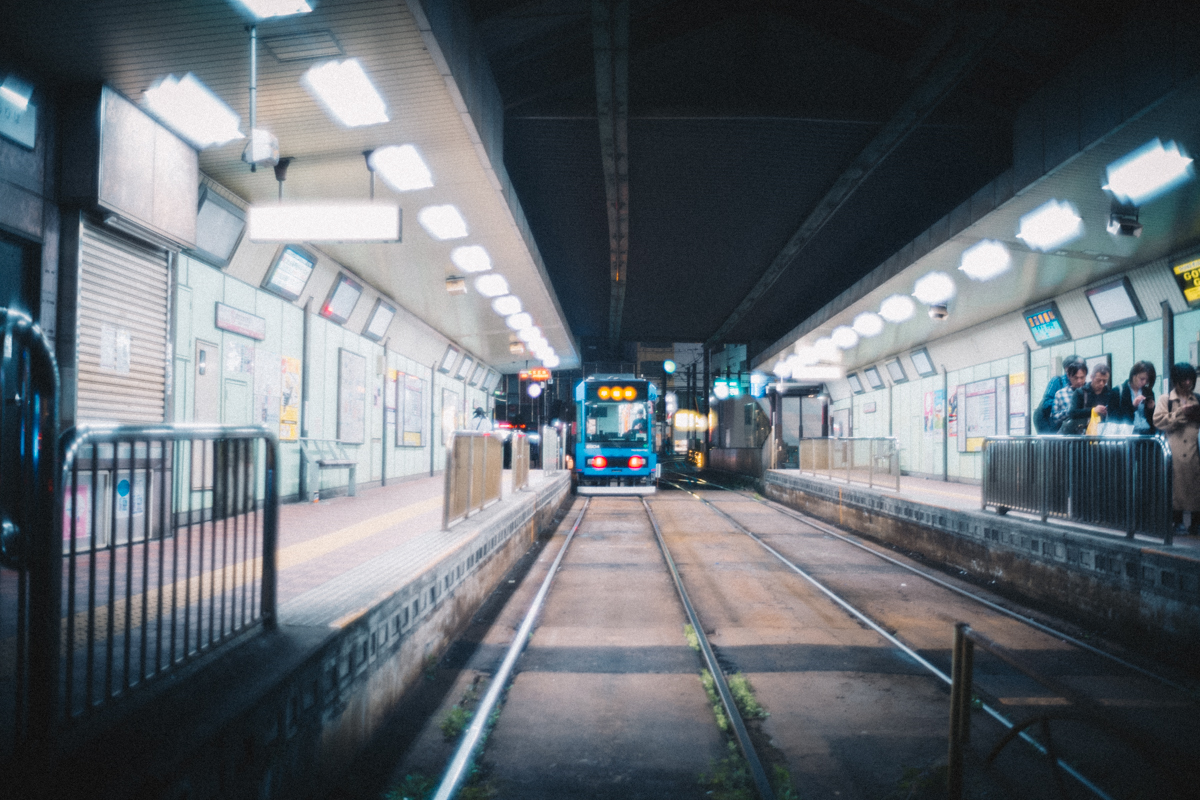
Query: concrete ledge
{"type": "Point", "coordinates": [281, 715]}
{"type": "Point", "coordinates": [1128, 588]}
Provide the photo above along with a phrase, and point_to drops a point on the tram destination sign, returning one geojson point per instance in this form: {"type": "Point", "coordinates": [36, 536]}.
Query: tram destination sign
{"type": "Point", "coordinates": [1187, 275]}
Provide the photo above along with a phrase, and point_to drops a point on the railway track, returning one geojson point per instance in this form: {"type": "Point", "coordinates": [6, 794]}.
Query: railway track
{"type": "Point", "coordinates": [1151, 713]}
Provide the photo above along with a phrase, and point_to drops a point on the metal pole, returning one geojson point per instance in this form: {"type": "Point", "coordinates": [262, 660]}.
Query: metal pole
{"type": "Point", "coordinates": [1168, 327]}
{"type": "Point", "coordinates": [954, 778]}
{"type": "Point", "coordinates": [1028, 390]}
{"type": "Point", "coordinates": [946, 421]}
{"type": "Point", "coordinates": [383, 437]}
{"type": "Point", "coordinates": [432, 419]}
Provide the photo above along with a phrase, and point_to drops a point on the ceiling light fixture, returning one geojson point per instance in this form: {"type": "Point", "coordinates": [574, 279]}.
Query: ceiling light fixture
{"type": "Point", "coordinates": [985, 260]}
{"type": "Point", "coordinates": [1123, 220]}
{"type": "Point", "coordinates": [402, 167]}
{"type": "Point", "coordinates": [868, 324]}
{"type": "Point", "coordinates": [781, 368]}
{"type": "Point", "coordinates": [844, 337]}
{"type": "Point", "coordinates": [346, 92]}
{"type": "Point", "coordinates": [1049, 226]}
{"type": "Point", "coordinates": [507, 304]}
{"type": "Point", "coordinates": [442, 222]}
{"type": "Point", "coordinates": [531, 334]}
{"type": "Point", "coordinates": [471, 258]}
{"type": "Point", "coordinates": [936, 287]}
{"type": "Point", "coordinates": [805, 354]}
{"type": "Point", "coordinates": [491, 285]}
{"type": "Point", "coordinates": [190, 109]}
{"type": "Point", "coordinates": [824, 372]}
{"type": "Point", "coordinates": [519, 322]}
{"type": "Point", "coordinates": [826, 350]}
{"type": "Point", "coordinates": [324, 222]}
{"type": "Point", "coordinates": [17, 92]}
{"type": "Point", "coordinates": [1149, 171]}
{"type": "Point", "coordinates": [551, 361]}
{"type": "Point", "coordinates": [897, 308]}
{"type": "Point", "coordinates": [266, 9]}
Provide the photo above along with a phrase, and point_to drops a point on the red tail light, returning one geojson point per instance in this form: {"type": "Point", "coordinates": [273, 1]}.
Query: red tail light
{"type": "Point", "coordinates": [636, 462]}
{"type": "Point", "coordinates": [598, 462]}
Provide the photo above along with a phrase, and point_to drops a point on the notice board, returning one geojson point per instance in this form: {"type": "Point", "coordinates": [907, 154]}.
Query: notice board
{"type": "Point", "coordinates": [352, 396]}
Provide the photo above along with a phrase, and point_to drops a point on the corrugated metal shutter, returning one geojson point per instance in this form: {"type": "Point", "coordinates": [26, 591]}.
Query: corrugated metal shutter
{"type": "Point", "coordinates": [122, 299]}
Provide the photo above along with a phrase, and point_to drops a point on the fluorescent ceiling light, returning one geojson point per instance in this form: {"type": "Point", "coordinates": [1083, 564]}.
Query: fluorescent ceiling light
{"type": "Point", "coordinates": [824, 372]}
{"type": "Point", "coordinates": [934, 288]}
{"type": "Point", "coordinates": [844, 337]}
{"type": "Point", "coordinates": [868, 324]}
{"type": "Point", "coordinates": [401, 167]}
{"type": "Point", "coordinates": [346, 92]}
{"type": "Point", "coordinates": [1050, 226]}
{"type": "Point", "coordinates": [530, 334]}
{"type": "Point", "coordinates": [519, 322]}
{"type": "Point", "coordinates": [1147, 172]}
{"type": "Point", "coordinates": [491, 285]}
{"type": "Point", "coordinates": [471, 258]}
{"type": "Point", "coordinates": [781, 368]}
{"type": "Point", "coordinates": [265, 9]}
{"type": "Point", "coordinates": [17, 92]}
{"type": "Point", "coordinates": [826, 350]}
{"type": "Point", "coordinates": [805, 355]}
{"type": "Point", "coordinates": [190, 109]}
{"type": "Point", "coordinates": [551, 361]}
{"type": "Point", "coordinates": [324, 222]}
{"type": "Point", "coordinates": [506, 304]}
{"type": "Point", "coordinates": [985, 260]}
{"type": "Point", "coordinates": [442, 222]}
{"type": "Point", "coordinates": [897, 308]}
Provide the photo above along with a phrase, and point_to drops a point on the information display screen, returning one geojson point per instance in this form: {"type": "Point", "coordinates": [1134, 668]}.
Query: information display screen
{"type": "Point", "coordinates": [1114, 304]}
{"type": "Point", "coordinates": [1187, 275]}
{"type": "Point", "coordinates": [290, 272]}
{"type": "Point", "coordinates": [342, 299]}
{"type": "Point", "coordinates": [922, 362]}
{"type": "Point", "coordinates": [1046, 325]}
{"type": "Point", "coordinates": [855, 384]}
{"type": "Point", "coordinates": [872, 376]}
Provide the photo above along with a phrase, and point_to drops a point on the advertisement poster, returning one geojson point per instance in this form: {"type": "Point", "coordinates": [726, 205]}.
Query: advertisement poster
{"type": "Point", "coordinates": [289, 399]}
{"type": "Point", "coordinates": [935, 413]}
{"type": "Point", "coordinates": [352, 396]}
{"type": "Point", "coordinates": [960, 413]}
{"type": "Point", "coordinates": [451, 408]}
{"type": "Point", "coordinates": [1018, 402]}
{"type": "Point", "coordinates": [411, 431]}
{"type": "Point", "coordinates": [267, 389]}
{"type": "Point", "coordinates": [239, 357]}
{"type": "Point", "coordinates": [81, 510]}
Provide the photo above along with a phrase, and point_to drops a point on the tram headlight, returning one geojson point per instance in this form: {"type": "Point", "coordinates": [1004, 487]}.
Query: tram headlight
{"type": "Point", "coordinates": [636, 462]}
{"type": "Point", "coordinates": [598, 462]}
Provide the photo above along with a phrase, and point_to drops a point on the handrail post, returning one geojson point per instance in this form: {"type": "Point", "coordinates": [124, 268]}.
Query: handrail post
{"type": "Point", "coordinates": [871, 455]}
{"type": "Point", "coordinates": [983, 489]}
{"type": "Point", "coordinates": [1131, 486]}
{"type": "Point", "coordinates": [1042, 475]}
{"type": "Point", "coordinates": [270, 535]}
{"type": "Point", "coordinates": [447, 484]}
{"type": "Point", "coordinates": [960, 709]}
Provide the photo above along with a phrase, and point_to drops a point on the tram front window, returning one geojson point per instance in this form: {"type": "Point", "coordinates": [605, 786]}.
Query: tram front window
{"type": "Point", "coordinates": [619, 424]}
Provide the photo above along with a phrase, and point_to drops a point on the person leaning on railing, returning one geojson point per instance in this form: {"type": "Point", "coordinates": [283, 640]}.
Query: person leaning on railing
{"type": "Point", "coordinates": [1076, 375]}
{"type": "Point", "coordinates": [1043, 414]}
{"type": "Point", "coordinates": [1136, 399]}
{"type": "Point", "coordinates": [1179, 419]}
{"type": "Point", "coordinates": [1094, 396]}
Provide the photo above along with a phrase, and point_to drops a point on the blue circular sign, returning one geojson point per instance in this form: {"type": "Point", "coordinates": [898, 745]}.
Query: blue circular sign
{"type": "Point", "coordinates": [123, 487]}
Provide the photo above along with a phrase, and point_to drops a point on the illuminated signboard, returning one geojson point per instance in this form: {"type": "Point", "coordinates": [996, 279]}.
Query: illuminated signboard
{"type": "Point", "coordinates": [1187, 275]}
{"type": "Point", "coordinates": [1045, 324]}
{"type": "Point", "coordinates": [539, 374]}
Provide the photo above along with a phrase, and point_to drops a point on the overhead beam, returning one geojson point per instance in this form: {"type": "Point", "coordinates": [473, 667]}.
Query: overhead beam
{"type": "Point", "coordinates": [945, 74]}
{"type": "Point", "coordinates": [610, 40]}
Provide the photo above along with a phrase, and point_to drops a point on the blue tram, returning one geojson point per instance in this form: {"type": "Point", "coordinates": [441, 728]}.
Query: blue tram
{"type": "Point", "coordinates": [614, 448]}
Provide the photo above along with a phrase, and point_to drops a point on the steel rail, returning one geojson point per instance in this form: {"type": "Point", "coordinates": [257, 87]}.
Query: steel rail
{"type": "Point", "coordinates": [456, 771]}
{"type": "Point", "coordinates": [862, 617]}
{"type": "Point", "coordinates": [1065, 637]}
{"type": "Point", "coordinates": [731, 711]}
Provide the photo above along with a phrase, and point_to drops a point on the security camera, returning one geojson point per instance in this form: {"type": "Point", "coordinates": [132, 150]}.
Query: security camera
{"type": "Point", "coordinates": [938, 311]}
{"type": "Point", "coordinates": [1123, 220]}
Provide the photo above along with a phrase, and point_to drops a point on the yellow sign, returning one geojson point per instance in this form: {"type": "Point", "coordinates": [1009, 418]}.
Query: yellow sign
{"type": "Point", "coordinates": [289, 400]}
{"type": "Point", "coordinates": [1187, 275]}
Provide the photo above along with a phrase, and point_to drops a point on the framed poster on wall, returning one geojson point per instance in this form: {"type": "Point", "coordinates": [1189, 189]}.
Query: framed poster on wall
{"type": "Point", "coordinates": [352, 396]}
{"type": "Point", "coordinates": [410, 426]}
{"type": "Point", "coordinates": [985, 411]}
{"type": "Point", "coordinates": [451, 410]}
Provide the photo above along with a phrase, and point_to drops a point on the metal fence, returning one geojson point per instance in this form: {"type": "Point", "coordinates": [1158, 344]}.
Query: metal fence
{"type": "Point", "coordinates": [1117, 482]}
{"type": "Point", "coordinates": [520, 461]}
{"type": "Point", "coordinates": [873, 461]}
{"type": "Point", "coordinates": [474, 470]}
{"type": "Point", "coordinates": [553, 454]}
{"type": "Point", "coordinates": [168, 539]}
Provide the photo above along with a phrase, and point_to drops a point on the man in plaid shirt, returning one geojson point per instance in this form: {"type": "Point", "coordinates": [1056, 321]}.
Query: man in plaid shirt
{"type": "Point", "coordinates": [1076, 375]}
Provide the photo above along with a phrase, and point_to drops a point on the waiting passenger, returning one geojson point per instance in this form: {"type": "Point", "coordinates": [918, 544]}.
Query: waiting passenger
{"type": "Point", "coordinates": [1179, 419]}
{"type": "Point", "coordinates": [1043, 415]}
{"type": "Point", "coordinates": [1136, 399]}
{"type": "Point", "coordinates": [1076, 376]}
{"type": "Point", "coordinates": [1095, 396]}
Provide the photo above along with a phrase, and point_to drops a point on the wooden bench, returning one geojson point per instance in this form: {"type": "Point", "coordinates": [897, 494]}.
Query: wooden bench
{"type": "Point", "coordinates": [319, 455]}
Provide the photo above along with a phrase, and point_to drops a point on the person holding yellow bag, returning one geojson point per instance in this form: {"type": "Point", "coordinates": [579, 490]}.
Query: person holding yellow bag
{"type": "Point", "coordinates": [1090, 403]}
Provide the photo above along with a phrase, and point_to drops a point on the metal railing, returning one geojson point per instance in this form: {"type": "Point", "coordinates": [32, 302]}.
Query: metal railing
{"type": "Point", "coordinates": [1117, 482]}
{"type": "Point", "coordinates": [1069, 705]}
{"type": "Point", "coordinates": [553, 455]}
{"type": "Point", "coordinates": [29, 554]}
{"type": "Point", "coordinates": [169, 536]}
{"type": "Point", "coordinates": [873, 461]}
{"type": "Point", "coordinates": [474, 473]}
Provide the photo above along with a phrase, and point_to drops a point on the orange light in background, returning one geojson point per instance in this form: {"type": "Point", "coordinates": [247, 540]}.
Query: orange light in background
{"type": "Point", "coordinates": [539, 374]}
{"type": "Point", "coordinates": [602, 392]}
{"type": "Point", "coordinates": [630, 393]}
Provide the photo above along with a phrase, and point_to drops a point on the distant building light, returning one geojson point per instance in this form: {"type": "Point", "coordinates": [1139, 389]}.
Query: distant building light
{"type": "Point", "coordinates": [401, 167]}
{"type": "Point", "coordinates": [471, 258]}
{"type": "Point", "coordinates": [897, 308]}
{"type": "Point", "coordinates": [669, 366]}
{"type": "Point", "coordinates": [442, 222]}
{"type": "Point", "coordinates": [1048, 227]}
{"type": "Point", "coordinates": [346, 92]}
{"type": "Point", "coordinates": [844, 337]}
{"type": "Point", "coordinates": [936, 287]}
{"type": "Point", "coordinates": [1144, 174]}
{"type": "Point", "coordinates": [190, 109]}
{"type": "Point", "coordinates": [534, 390]}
